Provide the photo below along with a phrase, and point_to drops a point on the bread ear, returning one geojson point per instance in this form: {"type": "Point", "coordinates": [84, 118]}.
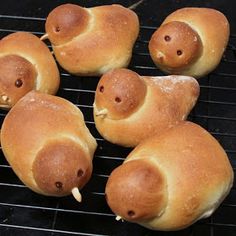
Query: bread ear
{"type": "Point", "coordinates": [170, 181]}
{"type": "Point", "coordinates": [92, 41]}
{"type": "Point", "coordinates": [190, 41]}
{"type": "Point", "coordinates": [25, 64]}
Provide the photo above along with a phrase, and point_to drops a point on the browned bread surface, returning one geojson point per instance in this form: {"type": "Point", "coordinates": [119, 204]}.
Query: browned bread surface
{"type": "Point", "coordinates": [128, 108]}
{"type": "Point", "coordinates": [190, 41]}
{"type": "Point", "coordinates": [45, 140]}
{"type": "Point", "coordinates": [91, 41]}
{"type": "Point", "coordinates": [171, 181]}
{"type": "Point", "coordinates": [25, 64]}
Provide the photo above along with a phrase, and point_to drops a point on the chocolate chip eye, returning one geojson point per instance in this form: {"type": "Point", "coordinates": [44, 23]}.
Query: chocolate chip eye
{"type": "Point", "coordinates": [80, 173]}
{"type": "Point", "coordinates": [117, 99]}
{"type": "Point", "coordinates": [18, 83]}
{"type": "Point", "coordinates": [179, 52]}
{"type": "Point", "coordinates": [167, 38]}
{"type": "Point", "coordinates": [131, 213]}
{"type": "Point", "coordinates": [101, 89]}
{"type": "Point", "coordinates": [59, 185]}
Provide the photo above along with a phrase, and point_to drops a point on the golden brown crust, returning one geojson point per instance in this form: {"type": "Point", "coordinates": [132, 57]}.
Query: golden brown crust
{"type": "Point", "coordinates": [61, 165]}
{"type": "Point", "coordinates": [17, 77]}
{"type": "Point", "coordinates": [106, 43]}
{"type": "Point", "coordinates": [212, 29]}
{"type": "Point", "coordinates": [66, 22]}
{"type": "Point", "coordinates": [33, 59]}
{"type": "Point", "coordinates": [35, 123]}
{"type": "Point", "coordinates": [168, 100]}
{"type": "Point", "coordinates": [130, 191]}
{"type": "Point", "coordinates": [197, 171]}
{"type": "Point", "coordinates": [121, 92]}
{"type": "Point", "coordinates": [175, 45]}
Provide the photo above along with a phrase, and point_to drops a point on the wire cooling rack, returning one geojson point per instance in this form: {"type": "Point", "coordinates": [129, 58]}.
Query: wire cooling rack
{"type": "Point", "coordinates": [23, 212]}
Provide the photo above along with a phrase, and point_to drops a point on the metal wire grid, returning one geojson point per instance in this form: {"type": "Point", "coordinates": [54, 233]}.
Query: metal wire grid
{"type": "Point", "coordinates": [23, 212]}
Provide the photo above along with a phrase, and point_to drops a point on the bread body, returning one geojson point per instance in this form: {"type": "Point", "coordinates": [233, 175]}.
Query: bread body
{"type": "Point", "coordinates": [129, 108]}
{"type": "Point", "coordinates": [45, 140]}
{"type": "Point", "coordinates": [190, 41]}
{"type": "Point", "coordinates": [171, 181]}
{"type": "Point", "coordinates": [25, 64]}
{"type": "Point", "coordinates": [91, 41]}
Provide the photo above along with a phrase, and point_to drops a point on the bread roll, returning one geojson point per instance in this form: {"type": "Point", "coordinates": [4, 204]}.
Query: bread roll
{"type": "Point", "coordinates": [129, 108]}
{"type": "Point", "coordinates": [171, 181]}
{"type": "Point", "coordinates": [45, 140]}
{"type": "Point", "coordinates": [190, 41]}
{"type": "Point", "coordinates": [25, 64]}
{"type": "Point", "coordinates": [91, 41]}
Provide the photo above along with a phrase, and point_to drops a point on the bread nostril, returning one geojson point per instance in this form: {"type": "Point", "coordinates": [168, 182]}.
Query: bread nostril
{"type": "Point", "coordinates": [80, 173]}
{"type": "Point", "coordinates": [131, 213]}
{"type": "Point", "coordinates": [118, 100]}
{"type": "Point", "coordinates": [167, 38]}
{"type": "Point", "coordinates": [18, 83]}
{"type": "Point", "coordinates": [179, 52]}
{"type": "Point", "coordinates": [58, 184]}
{"type": "Point", "coordinates": [101, 89]}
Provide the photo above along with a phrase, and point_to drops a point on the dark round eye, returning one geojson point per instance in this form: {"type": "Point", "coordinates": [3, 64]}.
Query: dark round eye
{"type": "Point", "coordinates": [167, 38]}
{"type": "Point", "coordinates": [131, 213]}
{"type": "Point", "coordinates": [57, 29]}
{"type": "Point", "coordinates": [118, 100]}
{"type": "Point", "coordinates": [179, 52]}
{"type": "Point", "coordinates": [18, 83]}
{"type": "Point", "coordinates": [80, 173]}
{"type": "Point", "coordinates": [101, 89]}
{"type": "Point", "coordinates": [59, 184]}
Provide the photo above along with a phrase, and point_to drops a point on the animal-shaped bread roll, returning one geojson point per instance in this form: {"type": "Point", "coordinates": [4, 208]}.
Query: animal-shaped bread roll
{"type": "Point", "coordinates": [45, 140]}
{"type": "Point", "coordinates": [91, 41]}
{"type": "Point", "coordinates": [190, 41]}
{"type": "Point", "coordinates": [129, 108]}
{"type": "Point", "coordinates": [171, 181]}
{"type": "Point", "coordinates": [25, 64]}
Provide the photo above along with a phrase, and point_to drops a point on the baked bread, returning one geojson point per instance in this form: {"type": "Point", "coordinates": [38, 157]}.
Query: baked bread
{"type": "Point", "coordinates": [190, 41]}
{"type": "Point", "coordinates": [129, 108]}
{"type": "Point", "coordinates": [169, 182]}
{"type": "Point", "coordinates": [45, 140]}
{"type": "Point", "coordinates": [91, 41]}
{"type": "Point", "coordinates": [25, 64]}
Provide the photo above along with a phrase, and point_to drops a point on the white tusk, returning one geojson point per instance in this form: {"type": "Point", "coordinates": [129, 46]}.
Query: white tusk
{"type": "Point", "coordinates": [45, 36]}
{"type": "Point", "coordinates": [102, 112]}
{"type": "Point", "coordinates": [5, 98]}
{"type": "Point", "coordinates": [76, 194]}
{"type": "Point", "coordinates": [118, 218]}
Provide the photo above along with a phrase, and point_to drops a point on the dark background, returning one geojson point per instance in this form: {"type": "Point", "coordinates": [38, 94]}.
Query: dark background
{"type": "Point", "coordinates": [23, 212]}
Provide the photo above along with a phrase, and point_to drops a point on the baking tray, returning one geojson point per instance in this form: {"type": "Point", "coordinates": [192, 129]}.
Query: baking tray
{"type": "Point", "coordinates": [23, 212]}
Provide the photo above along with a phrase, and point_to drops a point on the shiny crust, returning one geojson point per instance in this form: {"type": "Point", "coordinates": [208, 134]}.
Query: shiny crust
{"type": "Point", "coordinates": [166, 101]}
{"type": "Point", "coordinates": [28, 46]}
{"type": "Point", "coordinates": [175, 46]}
{"type": "Point", "coordinates": [34, 125]}
{"type": "Point", "coordinates": [121, 92]}
{"type": "Point", "coordinates": [133, 183]}
{"type": "Point", "coordinates": [197, 171]}
{"type": "Point", "coordinates": [106, 43]}
{"type": "Point", "coordinates": [212, 29]}
{"type": "Point", "coordinates": [17, 77]}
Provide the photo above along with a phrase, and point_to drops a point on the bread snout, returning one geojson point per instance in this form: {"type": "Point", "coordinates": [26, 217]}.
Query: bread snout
{"type": "Point", "coordinates": [119, 94]}
{"type": "Point", "coordinates": [17, 77]}
{"type": "Point", "coordinates": [136, 191]}
{"type": "Point", "coordinates": [60, 166]}
{"type": "Point", "coordinates": [175, 46]}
